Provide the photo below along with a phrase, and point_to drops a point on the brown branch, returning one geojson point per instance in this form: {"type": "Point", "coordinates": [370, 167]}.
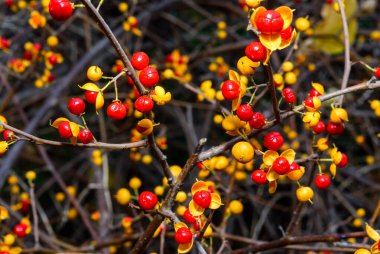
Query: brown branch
{"type": "Point", "coordinates": [204, 228]}
{"type": "Point", "coordinates": [41, 141]}
{"type": "Point", "coordinates": [115, 43]}
{"type": "Point", "coordinates": [216, 150]}
{"type": "Point", "coordinates": [168, 203]}
{"type": "Point", "coordinates": [298, 240]}
{"type": "Point", "coordinates": [347, 63]}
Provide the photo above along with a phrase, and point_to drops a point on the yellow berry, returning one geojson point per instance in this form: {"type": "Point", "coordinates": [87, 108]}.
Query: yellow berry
{"type": "Point", "coordinates": [123, 196]}
{"type": "Point", "coordinates": [15, 189]}
{"type": "Point", "coordinates": [360, 139]}
{"type": "Point", "coordinates": [72, 213]}
{"type": "Point", "coordinates": [374, 104]}
{"type": "Point", "coordinates": [213, 67]}
{"type": "Point", "coordinates": [60, 196]}
{"type": "Point", "coordinates": [236, 207]}
{"type": "Point", "coordinates": [360, 212]}
{"type": "Point", "coordinates": [222, 25]}
{"type": "Point", "coordinates": [147, 159]}
{"type": "Point", "coordinates": [12, 179]}
{"type": "Point", "coordinates": [278, 79]}
{"type": "Point", "coordinates": [302, 24]}
{"type": "Point", "coordinates": [135, 183]}
{"type": "Point", "coordinates": [30, 175]}
{"type": "Point", "coordinates": [123, 7]}
{"type": "Point", "coordinates": [375, 35]}
{"type": "Point", "coordinates": [357, 223]}
{"type": "Point", "coordinates": [181, 196]}
{"type": "Point", "coordinates": [287, 66]}
{"type": "Point", "coordinates": [159, 190]}
{"type": "Point", "coordinates": [72, 190]}
{"type": "Point", "coordinates": [219, 60]}
{"type": "Point", "coordinates": [369, 159]}
{"type": "Point", "coordinates": [9, 239]}
{"type": "Point", "coordinates": [181, 210]}
{"type": "Point", "coordinates": [243, 152]}
{"type": "Point", "coordinates": [222, 34]}
{"type": "Point", "coordinates": [304, 194]}
{"type": "Point", "coordinates": [290, 78]}
{"type": "Point", "coordinates": [253, 3]}
{"type": "Point", "coordinates": [94, 73]}
{"type": "Point", "coordinates": [362, 251]}
{"type": "Point", "coordinates": [52, 41]}
{"type": "Point", "coordinates": [311, 67]}
{"type": "Point", "coordinates": [218, 119]}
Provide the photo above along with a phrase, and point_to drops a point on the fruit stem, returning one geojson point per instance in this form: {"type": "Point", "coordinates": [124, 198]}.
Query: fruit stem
{"type": "Point", "coordinates": [325, 159]}
{"type": "Point", "coordinates": [78, 6]}
{"type": "Point", "coordinates": [84, 121]}
{"type": "Point", "coordinates": [299, 184]}
{"type": "Point", "coordinates": [116, 93]}
{"type": "Point", "coordinates": [319, 168]}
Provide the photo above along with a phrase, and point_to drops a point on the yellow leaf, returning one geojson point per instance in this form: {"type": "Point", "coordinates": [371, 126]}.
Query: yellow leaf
{"type": "Point", "coordinates": [329, 31]}
{"type": "Point", "coordinates": [272, 187]}
{"type": "Point", "coordinates": [185, 247]}
{"type": "Point", "coordinates": [286, 14]}
{"type": "Point", "coordinates": [179, 225]}
{"type": "Point", "coordinates": [90, 87]}
{"type": "Point", "coordinates": [199, 186]}
{"type": "Point", "coordinates": [333, 170]}
{"type": "Point", "coordinates": [195, 209]}
{"type": "Point", "coordinates": [216, 201]}
{"type": "Point", "coordinates": [74, 129]}
{"type": "Point", "coordinates": [269, 157]}
{"type": "Point", "coordinates": [99, 101]}
{"type": "Point", "coordinates": [58, 121]}
{"type": "Point", "coordinates": [271, 41]}
{"type": "Point", "coordinates": [289, 154]}
{"type": "Point", "coordinates": [372, 233]}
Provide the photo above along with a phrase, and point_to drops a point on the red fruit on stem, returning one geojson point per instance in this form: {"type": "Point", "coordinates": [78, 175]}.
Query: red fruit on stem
{"type": "Point", "coordinates": [269, 22]}
{"type": "Point", "coordinates": [319, 128]}
{"type": "Point", "coordinates": [90, 96]}
{"type": "Point", "coordinates": [377, 72]}
{"type": "Point", "coordinates": [281, 166]}
{"type": "Point", "coordinates": [144, 104]}
{"type": "Point", "coordinates": [183, 235]}
{"type": "Point", "coordinates": [130, 80]}
{"type": "Point", "coordinates": [8, 135]}
{"type": "Point", "coordinates": [259, 177]}
{"type": "Point", "coordinates": [202, 198]}
{"type": "Point", "coordinates": [256, 51]}
{"type": "Point", "coordinates": [343, 162]}
{"type": "Point", "coordinates": [322, 181]}
{"type": "Point", "coordinates": [20, 230]}
{"type": "Point", "coordinates": [76, 106]}
{"type": "Point", "coordinates": [60, 10]}
{"type": "Point", "coordinates": [85, 136]}
{"type": "Point", "coordinates": [116, 110]}
{"type": "Point", "coordinates": [309, 102]}
{"type": "Point", "coordinates": [27, 55]}
{"type": "Point", "coordinates": [289, 95]}
{"type": "Point", "coordinates": [273, 140]}
{"type": "Point", "coordinates": [149, 76]}
{"type": "Point", "coordinates": [188, 217]}
{"type": "Point", "coordinates": [335, 128]}
{"type": "Point", "coordinates": [140, 60]}
{"type": "Point", "coordinates": [230, 90]}
{"type": "Point", "coordinates": [286, 33]}
{"type": "Point", "coordinates": [257, 121]}
{"type": "Point", "coordinates": [197, 226]}
{"type": "Point", "coordinates": [293, 166]}
{"type": "Point", "coordinates": [244, 112]}
{"type": "Point", "coordinates": [64, 130]}
{"type": "Point", "coordinates": [53, 59]}
{"type": "Point", "coordinates": [313, 92]}
{"type": "Point", "coordinates": [147, 200]}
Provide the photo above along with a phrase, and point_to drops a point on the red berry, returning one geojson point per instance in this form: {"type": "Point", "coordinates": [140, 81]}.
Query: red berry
{"type": "Point", "coordinates": [188, 217]}
{"type": "Point", "coordinates": [149, 76]}
{"type": "Point", "coordinates": [183, 236]}
{"type": "Point", "coordinates": [343, 161]}
{"type": "Point", "coordinates": [269, 22]}
{"type": "Point", "coordinates": [289, 95]}
{"type": "Point", "coordinates": [257, 121]}
{"type": "Point", "coordinates": [8, 135]}
{"type": "Point", "coordinates": [20, 230]}
{"type": "Point", "coordinates": [53, 59]}
{"type": "Point", "coordinates": [273, 140]}
{"type": "Point", "coordinates": [116, 110]}
{"type": "Point", "coordinates": [85, 136]}
{"type": "Point", "coordinates": [313, 92]}
{"type": "Point", "coordinates": [294, 166]}
{"type": "Point", "coordinates": [377, 72]}
{"type": "Point", "coordinates": [76, 106]}
{"type": "Point", "coordinates": [309, 102]}
{"type": "Point", "coordinates": [197, 226]}
{"type": "Point", "coordinates": [286, 33]}
{"type": "Point", "coordinates": [322, 181]}
{"type": "Point", "coordinates": [25, 205]}
{"type": "Point", "coordinates": [147, 200]}
{"type": "Point", "coordinates": [8, 3]}
{"type": "Point", "coordinates": [202, 198]}
{"type": "Point", "coordinates": [335, 128]}
{"type": "Point", "coordinates": [244, 112]}
{"type": "Point", "coordinates": [27, 55]}
{"type": "Point", "coordinates": [91, 96]}
{"type": "Point", "coordinates": [259, 176]}
{"type": "Point", "coordinates": [256, 51]}
{"type": "Point", "coordinates": [130, 81]}
{"type": "Point", "coordinates": [319, 128]}
{"type": "Point", "coordinates": [140, 60]}
{"type": "Point", "coordinates": [64, 130]}
{"type": "Point", "coordinates": [60, 10]}
{"type": "Point", "coordinates": [281, 166]}
{"type": "Point", "coordinates": [144, 104]}
{"type": "Point", "coordinates": [230, 90]}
